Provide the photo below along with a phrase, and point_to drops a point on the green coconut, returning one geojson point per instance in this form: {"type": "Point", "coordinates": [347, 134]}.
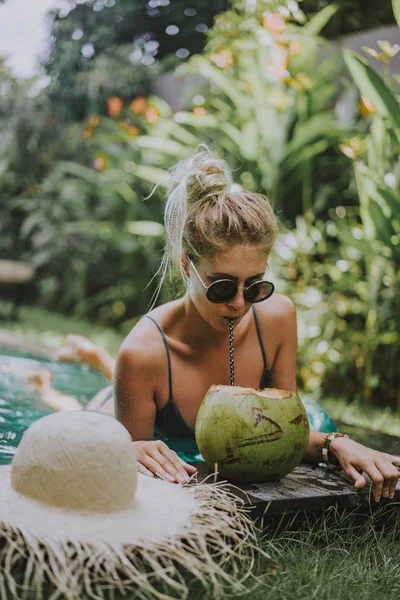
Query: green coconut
{"type": "Point", "coordinates": [252, 435]}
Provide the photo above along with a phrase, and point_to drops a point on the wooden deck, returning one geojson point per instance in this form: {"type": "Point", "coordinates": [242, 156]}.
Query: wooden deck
{"type": "Point", "coordinates": [17, 274]}
{"type": "Point", "coordinates": [308, 488]}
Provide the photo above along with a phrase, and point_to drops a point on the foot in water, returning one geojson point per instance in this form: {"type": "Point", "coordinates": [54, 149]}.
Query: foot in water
{"type": "Point", "coordinates": [40, 380]}
{"type": "Point", "coordinates": [76, 348]}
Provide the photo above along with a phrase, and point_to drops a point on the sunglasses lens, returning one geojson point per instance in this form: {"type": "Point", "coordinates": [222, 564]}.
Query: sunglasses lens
{"type": "Point", "coordinates": [222, 291]}
{"type": "Point", "coordinates": [259, 291]}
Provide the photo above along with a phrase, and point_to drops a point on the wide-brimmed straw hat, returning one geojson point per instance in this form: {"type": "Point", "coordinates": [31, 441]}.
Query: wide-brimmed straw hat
{"type": "Point", "coordinates": [77, 520]}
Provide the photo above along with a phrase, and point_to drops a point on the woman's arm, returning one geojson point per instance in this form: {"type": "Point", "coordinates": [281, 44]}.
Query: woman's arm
{"type": "Point", "coordinates": [355, 459]}
{"type": "Point", "coordinates": [136, 410]}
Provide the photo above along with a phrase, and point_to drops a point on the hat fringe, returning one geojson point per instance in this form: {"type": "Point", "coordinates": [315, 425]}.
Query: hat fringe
{"type": "Point", "coordinates": [219, 551]}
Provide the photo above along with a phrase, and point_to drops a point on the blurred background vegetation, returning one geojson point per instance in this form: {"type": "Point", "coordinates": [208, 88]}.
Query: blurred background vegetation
{"type": "Point", "coordinates": [264, 84]}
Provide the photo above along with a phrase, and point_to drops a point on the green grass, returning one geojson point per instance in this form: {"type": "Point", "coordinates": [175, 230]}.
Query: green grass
{"type": "Point", "coordinates": [50, 328]}
{"type": "Point", "coordinates": [337, 555]}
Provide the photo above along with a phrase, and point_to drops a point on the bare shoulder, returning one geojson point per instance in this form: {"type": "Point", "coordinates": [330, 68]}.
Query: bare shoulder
{"type": "Point", "coordinates": [277, 308]}
{"type": "Point", "coordinates": [143, 348]}
{"type": "Point", "coordinates": [277, 315]}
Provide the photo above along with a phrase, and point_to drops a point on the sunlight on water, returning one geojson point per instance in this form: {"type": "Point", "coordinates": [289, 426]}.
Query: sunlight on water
{"type": "Point", "coordinates": [20, 405]}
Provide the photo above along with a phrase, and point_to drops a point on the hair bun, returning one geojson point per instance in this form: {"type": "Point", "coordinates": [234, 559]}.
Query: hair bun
{"type": "Point", "coordinates": [202, 176]}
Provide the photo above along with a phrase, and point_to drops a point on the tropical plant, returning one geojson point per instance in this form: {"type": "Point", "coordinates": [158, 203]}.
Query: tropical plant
{"type": "Point", "coordinates": [377, 174]}
{"type": "Point", "coordinates": [267, 107]}
{"type": "Point", "coordinates": [86, 244]}
{"type": "Point", "coordinates": [103, 48]}
{"type": "Point", "coordinates": [352, 15]}
{"type": "Point", "coordinates": [344, 274]}
{"type": "Point", "coordinates": [272, 124]}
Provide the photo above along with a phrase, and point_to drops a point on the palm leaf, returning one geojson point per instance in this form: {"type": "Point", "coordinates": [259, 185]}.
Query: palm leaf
{"type": "Point", "coordinates": [396, 10]}
{"type": "Point", "coordinates": [318, 22]}
{"type": "Point", "coordinates": [80, 171]}
{"type": "Point", "coordinates": [152, 175]}
{"type": "Point", "coordinates": [374, 88]}
{"type": "Point", "coordinates": [145, 228]}
{"type": "Point", "coordinates": [363, 246]}
{"type": "Point", "coordinates": [304, 133]}
{"type": "Point", "coordinates": [224, 83]}
{"type": "Point", "coordinates": [164, 145]}
{"type": "Point", "coordinates": [188, 118]}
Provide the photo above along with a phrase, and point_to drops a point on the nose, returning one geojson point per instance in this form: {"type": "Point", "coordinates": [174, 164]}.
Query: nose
{"type": "Point", "coordinates": [238, 302]}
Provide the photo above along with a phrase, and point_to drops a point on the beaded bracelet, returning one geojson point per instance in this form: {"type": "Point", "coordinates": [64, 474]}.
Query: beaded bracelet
{"type": "Point", "coordinates": [326, 442]}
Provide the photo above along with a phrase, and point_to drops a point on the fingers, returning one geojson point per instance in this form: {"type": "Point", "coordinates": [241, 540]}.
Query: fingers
{"type": "Point", "coordinates": [358, 460]}
{"type": "Point", "coordinates": [158, 470]}
{"type": "Point", "coordinates": [384, 476]}
{"type": "Point", "coordinates": [156, 458]}
{"type": "Point", "coordinates": [391, 489]}
{"type": "Point", "coordinates": [189, 468]}
{"type": "Point", "coordinates": [378, 480]}
{"type": "Point", "coordinates": [391, 474]}
{"type": "Point", "coordinates": [175, 466]}
{"type": "Point", "coordinates": [144, 471]}
{"type": "Point", "coordinates": [359, 480]}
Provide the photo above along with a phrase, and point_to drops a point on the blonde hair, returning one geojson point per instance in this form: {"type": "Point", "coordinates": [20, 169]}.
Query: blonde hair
{"type": "Point", "coordinates": [203, 216]}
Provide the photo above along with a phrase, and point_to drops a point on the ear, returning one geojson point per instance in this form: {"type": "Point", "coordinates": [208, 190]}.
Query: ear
{"type": "Point", "coordinates": [185, 265]}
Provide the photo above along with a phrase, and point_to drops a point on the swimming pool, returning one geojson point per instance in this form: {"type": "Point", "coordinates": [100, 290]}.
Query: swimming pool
{"type": "Point", "coordinates": [20, 405]}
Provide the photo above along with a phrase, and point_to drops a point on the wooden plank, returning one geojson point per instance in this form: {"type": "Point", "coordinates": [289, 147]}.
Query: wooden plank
{"type": "Point", "coordinates": [308, 488]}
{"type": "Point", "coordinates": [15, 271]}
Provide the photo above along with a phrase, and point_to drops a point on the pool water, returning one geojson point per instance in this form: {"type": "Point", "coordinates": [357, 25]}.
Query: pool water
{"type": "Point", "coordinates": [20, 405]}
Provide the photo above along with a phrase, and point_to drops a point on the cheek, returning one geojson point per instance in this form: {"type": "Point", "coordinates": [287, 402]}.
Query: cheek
{"type": "Point", "coordinates": [200, 301]}
{"type": "Point", "coordinates": [205, 308]}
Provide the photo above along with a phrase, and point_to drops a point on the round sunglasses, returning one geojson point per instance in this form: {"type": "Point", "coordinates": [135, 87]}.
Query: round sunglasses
{"type": "Point", "coordinates": [223, 290]}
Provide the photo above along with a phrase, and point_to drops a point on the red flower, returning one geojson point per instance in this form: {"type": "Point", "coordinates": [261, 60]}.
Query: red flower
{"type": "Point", "coordinates": [114, 105]}
{"type": "Point", "coordinates": [152, 115]}
{"type": "Point", "coordinates": [274, 22]}
{"type": "Point", "coordinates": [138, 105]}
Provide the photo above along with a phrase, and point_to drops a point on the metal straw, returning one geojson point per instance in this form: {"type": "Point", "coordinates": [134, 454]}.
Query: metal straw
{"type": "Point", "coordinates": [231, 353]}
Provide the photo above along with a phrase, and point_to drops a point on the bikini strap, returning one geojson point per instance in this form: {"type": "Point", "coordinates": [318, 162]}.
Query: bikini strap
{"type": "Point", "coordinates": [259, 336]}
{"type": "Point", "coordinates": [168, 353]}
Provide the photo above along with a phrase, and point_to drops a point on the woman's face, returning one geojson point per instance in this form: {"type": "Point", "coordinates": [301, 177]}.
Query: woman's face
{"type": "Point", "coordinates": [244, 264]}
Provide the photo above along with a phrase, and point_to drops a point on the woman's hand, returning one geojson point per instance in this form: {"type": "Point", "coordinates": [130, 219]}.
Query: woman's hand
{"type": "Point", "coordinates": [383, 469]}
{"type": "Point", "coordinates": [155, 459]}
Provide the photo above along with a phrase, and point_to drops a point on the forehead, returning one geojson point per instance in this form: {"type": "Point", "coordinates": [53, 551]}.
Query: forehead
{"type": "Point", "coordinates": [242, 261]}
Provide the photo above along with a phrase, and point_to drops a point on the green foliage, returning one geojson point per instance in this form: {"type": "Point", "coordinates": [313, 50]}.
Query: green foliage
{"type": "Point", "coordinates": [396, 10]}
{"type": "Point", "coordinates": [272, 104]}
{"type": "Point", "coordinates": [373, 87]}
{"type": "Point", "coordinates": [267, 106]}
{"type": "Point", "coordinates": [352, 15]}
{"type": "Point", "coordinates": [345, 272]}
{"type": "Point", "coordinates": [86, 243]}
{"type": "Point", "coordinates": [102, 49]}
{"type": "Point", "coordinates": [346, 294]}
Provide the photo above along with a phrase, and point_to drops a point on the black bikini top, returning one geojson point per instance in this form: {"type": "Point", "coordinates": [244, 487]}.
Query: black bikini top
{"type": "Point", "coordinates": [169, 423]}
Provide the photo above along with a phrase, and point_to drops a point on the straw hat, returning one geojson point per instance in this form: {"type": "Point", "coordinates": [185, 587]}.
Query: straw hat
{"type": "Point", "coordinates": [77, 518]}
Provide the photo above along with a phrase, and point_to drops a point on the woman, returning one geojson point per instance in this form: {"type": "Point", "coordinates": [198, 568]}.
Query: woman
{"type": "Point", "coordinates": [220, 240]}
